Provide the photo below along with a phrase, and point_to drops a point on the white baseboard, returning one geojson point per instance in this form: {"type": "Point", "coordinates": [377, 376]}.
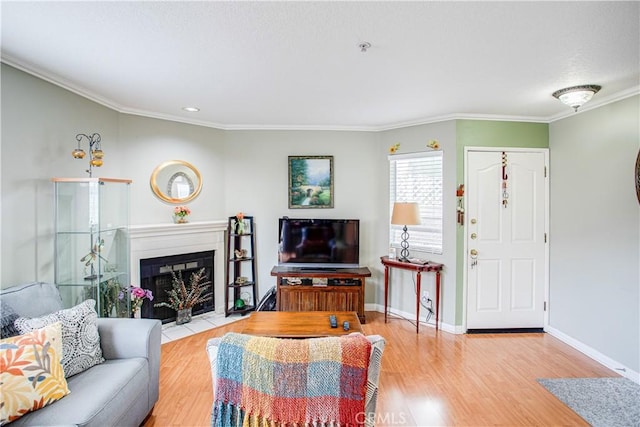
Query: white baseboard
{"type": "Point", "coordinates": [412, 317]}
{"type": "Point", "coordinates": [616, 367]}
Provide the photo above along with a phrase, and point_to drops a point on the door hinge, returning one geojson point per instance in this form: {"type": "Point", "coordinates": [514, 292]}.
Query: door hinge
{"type": "Point", "coordinates": [545, 237]}
{"type": "Point", "coordinates": [545, 171]}
{"type": "Point", "coordinates": [545, 306]}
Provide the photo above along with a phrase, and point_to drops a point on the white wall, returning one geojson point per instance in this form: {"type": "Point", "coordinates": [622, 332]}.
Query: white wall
{"type": "Point", "coordinates": [39, 125]}
{"type": "Point", "coordinates": [146, 143]}
{"type": "Point", "coordinates": [241, 170]}
{"type": "Point", "coordinates": [402, 295]}
{"type": "Point", "coordinates": [595, 231]}
{"type": "Point", "coordinates": [256, 181]}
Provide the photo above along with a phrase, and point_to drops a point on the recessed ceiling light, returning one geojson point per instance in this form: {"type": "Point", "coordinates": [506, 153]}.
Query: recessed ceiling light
{"type": "Point", "coordinates": [191, 109]}
{"type": "Point", "coordinates": [364, 46]}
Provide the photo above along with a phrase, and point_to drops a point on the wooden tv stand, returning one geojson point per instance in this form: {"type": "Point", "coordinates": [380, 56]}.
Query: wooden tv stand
{"type": "Point", "coordinates": [344, 289]}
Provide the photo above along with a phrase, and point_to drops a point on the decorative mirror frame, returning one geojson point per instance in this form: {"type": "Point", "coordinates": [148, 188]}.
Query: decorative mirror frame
{"type": "Point", "coordinates": [167, 172]}
{"type": "Point", "coordinates": [638, 177]}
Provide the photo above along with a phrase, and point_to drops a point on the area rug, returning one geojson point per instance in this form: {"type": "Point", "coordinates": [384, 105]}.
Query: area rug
{"type": "Point", "coordinates": [600, 401]}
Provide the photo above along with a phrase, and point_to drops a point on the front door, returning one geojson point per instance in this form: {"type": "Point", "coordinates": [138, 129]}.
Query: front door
{"type": "Point", "coordinates": [506, 236]}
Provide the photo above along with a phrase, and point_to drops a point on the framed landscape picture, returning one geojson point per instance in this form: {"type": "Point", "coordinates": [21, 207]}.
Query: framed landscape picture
{"type": "Point", "coordinates": [310, 182]}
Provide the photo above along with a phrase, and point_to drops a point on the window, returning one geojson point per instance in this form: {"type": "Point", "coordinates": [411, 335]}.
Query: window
{"type": "Point", "coordinates": [418, 178]}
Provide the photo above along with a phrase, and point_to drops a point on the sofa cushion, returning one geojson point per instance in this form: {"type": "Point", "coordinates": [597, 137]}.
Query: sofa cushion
{"type": "Point", "coordinates": [33, 299]}
{"type": "Point", "coordinates": [31, 373]}
{"type": "Point", "coordinates": [7, 317]}
{"type": "Point", "coordinates": [113, 393]}
{"type": "Point", "coordinates": [80, 340]}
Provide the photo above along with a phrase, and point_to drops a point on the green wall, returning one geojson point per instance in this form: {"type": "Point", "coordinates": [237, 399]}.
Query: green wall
{"type": "Point", "coordinates": [483, 133]}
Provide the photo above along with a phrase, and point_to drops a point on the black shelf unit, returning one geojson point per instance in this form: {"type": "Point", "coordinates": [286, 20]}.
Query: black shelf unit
{"type": "Point", "coordinates": [241, 263]}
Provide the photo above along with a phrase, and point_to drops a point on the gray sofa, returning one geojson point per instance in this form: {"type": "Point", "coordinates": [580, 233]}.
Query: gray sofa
{"type": "Point", "coordinates": [122, 390]}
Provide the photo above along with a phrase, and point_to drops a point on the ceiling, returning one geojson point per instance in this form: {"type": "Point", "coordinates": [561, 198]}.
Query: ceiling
{"type": "Point", "coordinates": [298, 65]}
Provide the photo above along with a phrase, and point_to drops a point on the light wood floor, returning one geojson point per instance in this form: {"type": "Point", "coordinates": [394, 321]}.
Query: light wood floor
{"type": "Point", "coordinates": [430, 379]}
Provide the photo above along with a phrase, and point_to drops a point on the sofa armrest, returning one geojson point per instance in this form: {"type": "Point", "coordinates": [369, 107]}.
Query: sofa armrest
{"type": "Point", "coordinates": [127, 338]}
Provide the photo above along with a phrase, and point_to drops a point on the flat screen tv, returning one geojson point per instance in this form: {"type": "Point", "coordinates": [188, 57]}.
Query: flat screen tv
{"type": "Point", "coordinates": [319, 243]}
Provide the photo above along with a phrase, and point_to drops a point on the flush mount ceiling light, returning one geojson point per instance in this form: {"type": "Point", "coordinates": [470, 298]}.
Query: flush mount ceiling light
{"type": "Point", "coordinates": [191, 109]}
{"type": "Point", "coordinates": [576, 96]}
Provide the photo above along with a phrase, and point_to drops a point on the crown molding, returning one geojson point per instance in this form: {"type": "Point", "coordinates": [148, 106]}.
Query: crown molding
{"type": "Point", "coordinates": [66, 84]}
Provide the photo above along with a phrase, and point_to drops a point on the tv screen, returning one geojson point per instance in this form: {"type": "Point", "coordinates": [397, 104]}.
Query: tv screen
{"type": "Point", "coordinates": [319, 243]}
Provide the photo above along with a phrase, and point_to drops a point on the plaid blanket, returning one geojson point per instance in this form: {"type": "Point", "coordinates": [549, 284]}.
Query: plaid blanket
{"type": "Point", "coordinates": [289, 382]}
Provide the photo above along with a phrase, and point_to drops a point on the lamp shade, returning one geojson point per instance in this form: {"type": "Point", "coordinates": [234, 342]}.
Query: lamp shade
{"type": "Point", "coordinates": [405, 213]}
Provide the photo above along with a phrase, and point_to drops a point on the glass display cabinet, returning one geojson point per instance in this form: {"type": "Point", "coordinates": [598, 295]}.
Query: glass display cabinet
{"type": "Point", "coordinates": [92, 243]}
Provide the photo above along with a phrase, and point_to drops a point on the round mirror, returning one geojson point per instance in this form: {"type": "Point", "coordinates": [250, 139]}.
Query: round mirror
{"type": "Point", "coordinates": [176, 181]}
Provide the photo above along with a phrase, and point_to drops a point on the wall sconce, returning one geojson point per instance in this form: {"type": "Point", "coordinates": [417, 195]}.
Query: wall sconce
{"type": "Point", "coordinates": [576, 96]}
{"type": "Point", "coordinates": [94, 147]}
{"type": "Point", "coordinates": [405, 214]}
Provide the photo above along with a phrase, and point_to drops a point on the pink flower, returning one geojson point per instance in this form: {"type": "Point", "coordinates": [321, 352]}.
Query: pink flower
{"type": "Point", "coordinates": [138, 292]}
{"type": "Point", "coordinates": [137, 296]}
{"type": "Point", "coordinates": [181, 211]}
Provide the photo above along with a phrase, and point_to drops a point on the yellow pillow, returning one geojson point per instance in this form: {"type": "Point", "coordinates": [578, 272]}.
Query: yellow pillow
{"type": "Point", "coordinates": [31, 375]}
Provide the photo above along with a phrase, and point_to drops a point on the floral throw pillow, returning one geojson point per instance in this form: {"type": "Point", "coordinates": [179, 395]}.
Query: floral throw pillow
{"type": "Point", "coordinates": [80, 340]}
{"type": "Point", "coordinates": [30, 372]}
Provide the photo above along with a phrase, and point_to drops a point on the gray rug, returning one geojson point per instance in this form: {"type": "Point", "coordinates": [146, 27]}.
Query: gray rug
{"type": "Point", "coordinates": [606, 402]}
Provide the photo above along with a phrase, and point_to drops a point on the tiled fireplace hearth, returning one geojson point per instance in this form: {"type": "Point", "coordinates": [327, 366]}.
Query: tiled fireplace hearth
{"type": "Point", "coordinates": [161, 240]}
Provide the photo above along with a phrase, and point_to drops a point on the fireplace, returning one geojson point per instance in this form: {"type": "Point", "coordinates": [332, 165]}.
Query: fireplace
{"type": "Point", "coordinates": [156, 274]}
{"type": "Point", "coordinates": [168, 239]}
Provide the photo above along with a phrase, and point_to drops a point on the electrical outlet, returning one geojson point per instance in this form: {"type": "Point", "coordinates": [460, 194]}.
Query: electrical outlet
{"type": "Point", "coordinates": [425, 298]}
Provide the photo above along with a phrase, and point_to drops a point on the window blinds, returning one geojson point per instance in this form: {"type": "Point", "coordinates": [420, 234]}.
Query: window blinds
{"type": "Point", "coordinates": [418, 178]}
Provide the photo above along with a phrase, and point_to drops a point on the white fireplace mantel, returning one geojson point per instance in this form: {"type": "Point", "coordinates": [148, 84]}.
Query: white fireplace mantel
{"type": "Point", "coordinates": [158, 240]}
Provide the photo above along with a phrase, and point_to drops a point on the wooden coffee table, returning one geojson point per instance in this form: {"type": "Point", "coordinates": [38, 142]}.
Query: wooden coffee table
{"type": "Point", "coordinates": [300, 324]}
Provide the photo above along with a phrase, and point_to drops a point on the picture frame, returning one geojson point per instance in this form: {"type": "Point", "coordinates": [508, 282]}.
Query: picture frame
{"type": "Point", "coordinates": [311, 182]}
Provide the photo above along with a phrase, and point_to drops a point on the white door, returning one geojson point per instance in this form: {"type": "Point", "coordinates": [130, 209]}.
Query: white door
{"type": "Point", "coordinates": [505, 239]}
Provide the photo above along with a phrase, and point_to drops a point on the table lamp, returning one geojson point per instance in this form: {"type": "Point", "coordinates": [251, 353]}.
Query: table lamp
{"type": "Point", "coordinates": [405, 213]}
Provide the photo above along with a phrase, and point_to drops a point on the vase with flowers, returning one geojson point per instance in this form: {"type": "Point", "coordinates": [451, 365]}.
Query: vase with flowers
{"type": "Point", "coordinates": [239, 224]}
{"type": "Point", "coordinates": [182, 297]}
{"type": "Point", "coordinates": [180, 214]}
{"type": "Point", "coordinates": [138, 295]}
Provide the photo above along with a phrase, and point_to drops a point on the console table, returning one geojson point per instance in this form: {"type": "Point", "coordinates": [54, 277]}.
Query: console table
{"type": "Point", "coordinates": [340, 289]}
{"type": "Point", "coordinates": [418, 268]}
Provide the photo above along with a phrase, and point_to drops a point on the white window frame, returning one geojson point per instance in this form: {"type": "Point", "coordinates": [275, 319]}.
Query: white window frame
{"type": "Point", "coordinates": [426, 188]}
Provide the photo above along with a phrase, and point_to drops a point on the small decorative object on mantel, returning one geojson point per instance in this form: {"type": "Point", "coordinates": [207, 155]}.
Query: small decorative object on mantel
{"type": "Point", "coordinates": [240, 253]}
{"type": "Point", "coordinates": [183, 297]}
{"type": "Point", "coordinates": [138, 295]}
{"type": "Point", "coordinates": [239, 227]}
{"type": "Point", "coordinates": [180, 214]}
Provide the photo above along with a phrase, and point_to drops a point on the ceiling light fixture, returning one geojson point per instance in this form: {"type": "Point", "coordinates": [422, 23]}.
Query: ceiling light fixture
{"type": "Point", "coordinates": [576, 96]}
{"type": "Point", "coordinates": [191, 109]}
{"type": "Point", "coordinates": [364, 46]}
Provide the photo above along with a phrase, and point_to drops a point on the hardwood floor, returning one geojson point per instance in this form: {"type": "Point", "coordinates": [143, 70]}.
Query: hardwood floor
{"type": "Point", "coordinates": [427, 379]}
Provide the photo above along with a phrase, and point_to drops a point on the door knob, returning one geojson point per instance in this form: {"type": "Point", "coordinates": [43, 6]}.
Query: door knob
{"type": "Point", "coordinates": [473, 220]}
{"type": "Point", "coordinates": [474, 235]}
{"type": "Point", "coordinates": [474, 252]}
